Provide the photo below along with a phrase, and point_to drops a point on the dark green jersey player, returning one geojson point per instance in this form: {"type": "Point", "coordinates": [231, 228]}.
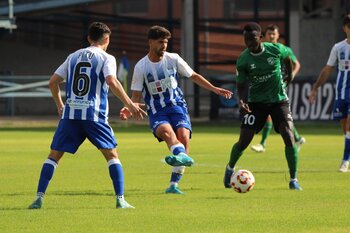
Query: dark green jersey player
{"type": "Point", "coordinates": [272, 35]}
{"type": "Point", "coordinates": [260, 69]}
{"type": "Point", "coordinates": [263, 72]}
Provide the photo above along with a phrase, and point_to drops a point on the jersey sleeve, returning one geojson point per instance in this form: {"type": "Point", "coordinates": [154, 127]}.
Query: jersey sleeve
{"type": "Point", "coordinates": [62, 70]}
{"type": "Point", "coordinates": [183, 68]}
{"type": "Point", "coordinates": [283, 51]}
{"type": "Point", "coordinates": [333, 60]}
{"type": "Point", "coordinates": [110, 66]}
{"type": "Point", "coordinates": [291, 54]}
{"type": "Point", "coordinates": [137, 78]}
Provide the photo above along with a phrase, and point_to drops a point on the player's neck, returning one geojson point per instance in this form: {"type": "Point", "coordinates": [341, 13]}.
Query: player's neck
{"type": "Point", "coordinates": [154, 58]}
{"type": "Point", "coordinates": [101, 46]}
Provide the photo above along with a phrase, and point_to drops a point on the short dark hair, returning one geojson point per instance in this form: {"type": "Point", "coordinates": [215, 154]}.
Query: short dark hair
{"type": "Point", "coordinates": [272, 27]}
{"type": "Point", "coordinates": [252, 27]}
{"type": "Point", "coordinates": [156, 32]}
{"type": "Point", "coordinates": [346, 20]}
{"type": "Point", "coordinates": [97, 31]}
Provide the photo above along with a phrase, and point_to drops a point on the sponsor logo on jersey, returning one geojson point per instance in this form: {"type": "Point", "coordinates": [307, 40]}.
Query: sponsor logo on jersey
{"type": "Point", "coordinates": [271, 60]}
{"type": "Point", "coordinates": [252, 66]}
{"type": "Point", "coordinates": [79, 104]}
{"type": "Point", "coordinates": [160, 86]}
{"type": "Point", "coordinates": [264, 78]}
{"type": "Point", "coordinates": [343, 65]}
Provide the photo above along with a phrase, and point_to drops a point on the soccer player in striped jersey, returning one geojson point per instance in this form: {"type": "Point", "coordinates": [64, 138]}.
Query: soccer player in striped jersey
{"type": "Point", "coordinates": [259, 66]}
{"type": "Point", "coordinates": [339, 59]}
{"type": "Point", "coordinates": [88, 73]}
{"type": "Point", "coordinates": [156, 80]}
{"type": "Point", "coordinates": [272, 35]}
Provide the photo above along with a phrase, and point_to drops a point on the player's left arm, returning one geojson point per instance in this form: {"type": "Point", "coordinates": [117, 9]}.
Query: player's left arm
{"type": "Point", "coordinates": [296, 67]}
{"type": "Point", "coordinates": [118, 90]}
{"type": "Point", "coordinates": [295, 62]}
{"type": "Point", "coordinates": [288, 70]}
{"type": "Point", "coordinates": [286, 56]}
{"type": "Point", "coordinates": [202, 82]}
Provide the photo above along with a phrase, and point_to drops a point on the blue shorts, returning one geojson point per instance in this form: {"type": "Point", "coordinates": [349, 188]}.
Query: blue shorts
{"type": "Point", "coordinates": [341, 109]}
{"type": "Point", "coordinates": [176, 116]}
{"type": "Point", "coordinates": [70, 134]}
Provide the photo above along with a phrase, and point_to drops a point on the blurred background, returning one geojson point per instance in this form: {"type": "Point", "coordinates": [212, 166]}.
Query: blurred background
{"type": "Point", "coordinates": [37, 35]}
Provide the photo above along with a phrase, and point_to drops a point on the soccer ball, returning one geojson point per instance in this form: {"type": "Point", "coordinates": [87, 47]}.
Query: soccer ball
{"type": "Point", "coordinates": [242, 181]}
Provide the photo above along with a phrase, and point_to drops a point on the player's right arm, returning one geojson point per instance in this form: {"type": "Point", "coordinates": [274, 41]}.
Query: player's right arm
{"type": "Point", "coordinates": [242, 92]}
{"type": "Point", "coordinates": [322, 78]}
{"type": "Point", "coordinates": [325, 73]}
{"type": "Point", "coordinates": [242, 86]}
{"type": "Point", "coordinates": [117, 89]}
{"type": "Point", "coordinates": [125, 113]}
{"type": "Point", "coordinates": [54, 85]}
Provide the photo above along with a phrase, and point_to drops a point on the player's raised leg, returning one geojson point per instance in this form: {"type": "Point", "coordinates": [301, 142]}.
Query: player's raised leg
{"type": "Point", "coordinates": [179, 156]}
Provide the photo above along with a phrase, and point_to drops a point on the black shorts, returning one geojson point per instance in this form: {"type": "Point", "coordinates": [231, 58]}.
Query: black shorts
{"type": "Point", "coordinates": [279, 112]}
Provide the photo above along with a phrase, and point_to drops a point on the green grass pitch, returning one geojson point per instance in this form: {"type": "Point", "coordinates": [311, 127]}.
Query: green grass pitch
{"type": "Point", "coordinates": [80, 197]}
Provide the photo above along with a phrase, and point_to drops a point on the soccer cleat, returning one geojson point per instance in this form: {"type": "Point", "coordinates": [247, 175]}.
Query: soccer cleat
{"type": "Point", "coordinates": [37, 203]}
{"type": "Point", "coordinates": [173, 189]}
{"type": "Point", "coordinates": [122, 204]}
{"type": "Point", "coordinates": [258, 148]}
{"type": "Point", "coordinates": [227, 178]}
{"type": "Point", "coordinates": [294, 185]}
{"type": "Point", "coordinates": [344, 166]}
{"type": "Point", "coordinates": [179, 160]}
{"type": "Point", "coordinates": [300, 142]}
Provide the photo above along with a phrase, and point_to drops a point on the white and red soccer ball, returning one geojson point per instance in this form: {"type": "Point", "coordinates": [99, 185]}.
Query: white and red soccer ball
{"type": "Point", "coordinates": [242, 181]}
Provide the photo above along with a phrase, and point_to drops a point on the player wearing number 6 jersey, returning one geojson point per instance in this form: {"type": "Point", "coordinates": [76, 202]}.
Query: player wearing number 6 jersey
{"type": "Point", "coordinates": [88, 73]}
{"type": "Point", "coordinates": [260, 66]}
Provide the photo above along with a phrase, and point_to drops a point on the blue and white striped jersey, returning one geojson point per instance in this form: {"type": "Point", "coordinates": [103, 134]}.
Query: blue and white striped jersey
{"type": "Point", "coordinates": [340, 57]}
{"type": "Point", "coordinates": [86, 89]}
{"type": "Point", "coordinates": [159, 81]}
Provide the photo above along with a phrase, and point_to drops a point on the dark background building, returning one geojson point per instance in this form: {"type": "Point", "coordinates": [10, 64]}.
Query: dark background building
{"type": "Point", "coordinates": [207, 33]}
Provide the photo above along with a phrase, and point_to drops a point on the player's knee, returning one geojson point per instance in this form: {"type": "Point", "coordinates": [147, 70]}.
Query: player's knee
{"type": "Point", "coordinates": [184, 139]}
{"type": "Point", "coordinates": [183, 135]}
{"type": "Point", "coordinates": [165, 134]}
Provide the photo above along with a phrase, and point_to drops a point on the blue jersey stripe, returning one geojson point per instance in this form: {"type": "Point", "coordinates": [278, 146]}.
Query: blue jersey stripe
{"type": "Point", "coordinates": [339, 84]}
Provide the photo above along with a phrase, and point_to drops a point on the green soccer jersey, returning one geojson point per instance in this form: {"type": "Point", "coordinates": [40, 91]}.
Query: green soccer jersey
{"type": "Point", "coordinates": [291, 54]}
{"type": "Point", "coordinates": [263, 73]}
